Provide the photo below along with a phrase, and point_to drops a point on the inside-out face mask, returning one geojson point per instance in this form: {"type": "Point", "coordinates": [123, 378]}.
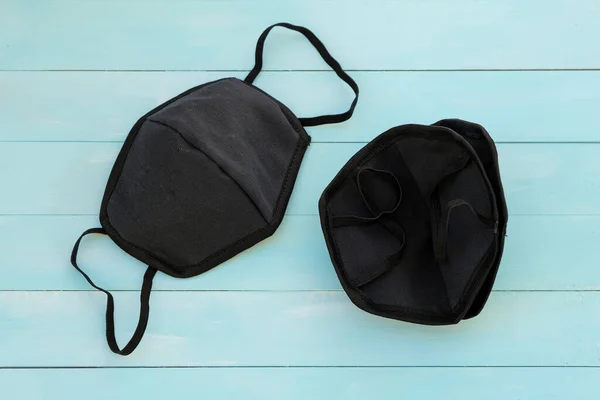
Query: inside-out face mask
{"type": "Point", "coordinates": [415, 222]}
{"type": "Point", "coordinates": [203, 177]}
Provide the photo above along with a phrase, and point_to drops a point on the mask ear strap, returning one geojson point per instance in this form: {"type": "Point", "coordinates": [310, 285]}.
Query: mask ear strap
{"type": "Point", "coordinates": [332, 62]}
{"type": "Point", "coordinates": [110, 304]}
{"type": "Point", "coordinates": [442, 225]}
{"type": "Point", "coordinates": [377, 216]}
{"type": "Point", "coordinates": [343, 220]}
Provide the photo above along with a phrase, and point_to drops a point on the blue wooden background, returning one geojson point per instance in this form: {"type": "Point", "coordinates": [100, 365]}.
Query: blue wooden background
{"type": "Point", "coordinates": [273, 322]}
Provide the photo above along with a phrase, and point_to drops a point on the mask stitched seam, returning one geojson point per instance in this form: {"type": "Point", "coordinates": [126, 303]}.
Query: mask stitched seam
{"type": "Point", "coordinates": [368, 155]}
{"type": "Point", "coordinates": [277, 215]}
{"type": "Point", "coordinates": [196, 266]}
{"type": "Point", "coordinates": [402, 309]}
{"type": "Point", "coordinates": [132, 135]}
{"type": "Point", "coordinates": [502, 211]}
{"type": "Point", "coordinates": [465, 160]}
{"type": "Point", "coordinates": [125, 151]}
{"type": "Point", "coordinates": [211, 159]}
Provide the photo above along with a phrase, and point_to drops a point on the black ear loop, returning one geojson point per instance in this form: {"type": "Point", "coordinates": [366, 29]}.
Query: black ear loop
{"type": "Point", "coordinates": [382, 217]}
{"type": "Point", "coordinates": [110, 304]}
{"type": "Point", "coordinates": [440, 239]}
{"type": "Point", "coordinates": [332, 62]}
{"type": "Point", "coordinates": [356, 219]}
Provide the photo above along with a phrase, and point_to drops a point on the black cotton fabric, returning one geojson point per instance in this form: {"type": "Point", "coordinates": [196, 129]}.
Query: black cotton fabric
{"type": "Point", "coordinates": [203, 177]}
{"type": "Point", "coordinates": [415, 222]}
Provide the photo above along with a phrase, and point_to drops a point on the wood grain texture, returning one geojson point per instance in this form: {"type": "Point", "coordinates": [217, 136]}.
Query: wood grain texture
{"type": "Point", "coordinates": [273, 323]}
{"type": "Point", "coordinates": [208, 35]}
{"type": "Point", "coordinates": [513, 106]}
{"type": "Point", "coordinates": [294, 329]}
{"type": "Point", "coordinates": [542, 253]}
{"type": "Point", "coordinates": [69, 178]}
{"type": "Point", "coordinates": [303, 383]}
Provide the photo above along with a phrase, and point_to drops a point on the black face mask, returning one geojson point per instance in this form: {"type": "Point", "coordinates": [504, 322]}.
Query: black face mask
{"type": "Point", "coordinates": [203, 177]}
{"type": "Point", "coordinates": [415, 222]}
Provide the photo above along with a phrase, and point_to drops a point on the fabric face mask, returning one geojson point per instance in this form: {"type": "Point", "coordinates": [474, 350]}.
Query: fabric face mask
{"type": "Point", "coordinates": [415, 222]}
{"type": "Point", "coordinates": [203, 177]}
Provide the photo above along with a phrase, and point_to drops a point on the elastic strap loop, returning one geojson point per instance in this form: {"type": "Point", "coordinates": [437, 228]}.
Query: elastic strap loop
{"type": "Point", "coordinates": [332, 62]}
{"type": "Point", "coordinates": [110, 304]}
{"type": "Point", "coordinates": [377, 215]}
{"type": "Point", "coordinates": [343, 220]}
{"type": "Point", "coordinates": [440, 237]}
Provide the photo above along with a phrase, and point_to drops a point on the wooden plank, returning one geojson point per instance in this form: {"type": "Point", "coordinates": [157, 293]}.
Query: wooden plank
{"type": "Point", "coordinates": [438, 34]}
{"type": "Point", "coordinates": [513, 106]}
{"type": "Point", "coordinates": [294, 329]}
{"type": "Point", "coordinates": [541, 253]}
{"type": "Point", "coordinates": [69, 178]}
{"type": "Point", "coordinates": [303, 383]}
{"type": "Point", "coordinates": [294, 258]}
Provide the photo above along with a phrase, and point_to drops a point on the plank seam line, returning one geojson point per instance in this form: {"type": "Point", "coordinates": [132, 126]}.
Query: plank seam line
{"type": "Point", "coordinates": [273, 290]}
{"type": "Point", "coordinates": [293, 215]}
{"type": "Point", "coordinates": [298, 367]}
{"type": "Point", "coordinates": [363, 142]}
{"type": "Point", "coordinates": [312, 70]}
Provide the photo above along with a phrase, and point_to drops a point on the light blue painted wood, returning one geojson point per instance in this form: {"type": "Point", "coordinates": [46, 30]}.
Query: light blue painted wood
{"type": "Point", "coordinates": [69, 178]}
{"type": "Point", "coordinates": [436, 34]}
{"type": "Point", "coordinates": [294, 329]}
{"type": "Point", "coordinates": [542, 253]}
{"type": "Point", "coordinates": [273, 309]}
{"type": "Point", "coordinates": [304, 383]}
{"type": "Point", "coordinates": [513, 106]}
